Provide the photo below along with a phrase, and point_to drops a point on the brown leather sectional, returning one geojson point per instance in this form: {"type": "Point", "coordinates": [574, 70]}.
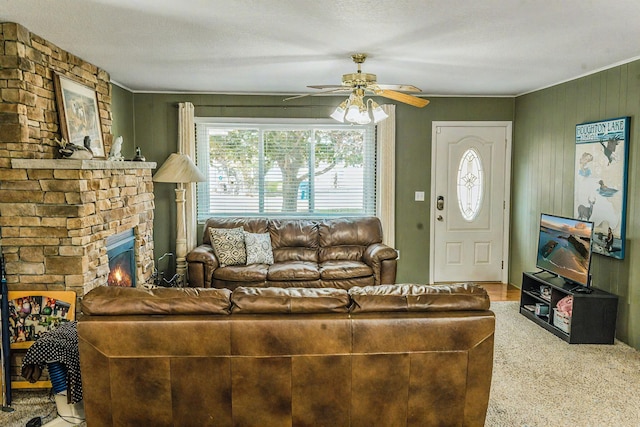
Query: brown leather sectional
{"type": "Point", "coordinates": [390, 355]}
{"type": "Point", "coordinates": [330, 253]}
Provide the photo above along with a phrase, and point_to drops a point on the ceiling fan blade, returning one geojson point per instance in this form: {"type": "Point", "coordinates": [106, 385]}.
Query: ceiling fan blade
{"type": "Point", "coordinates": [403, 97]}
{"type": "Point", "coordinates": [336, 89]}
{"type": "Point", "coordinates": [298, 96]}
{"type": "Point", "coordinates": [403, 88]}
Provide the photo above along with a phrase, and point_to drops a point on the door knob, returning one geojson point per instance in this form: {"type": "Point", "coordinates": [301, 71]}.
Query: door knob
{"type": "Point", "coordinates": [440, 203]}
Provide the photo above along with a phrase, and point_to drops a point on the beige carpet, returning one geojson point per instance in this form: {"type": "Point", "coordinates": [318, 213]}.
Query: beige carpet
{"type": "Point", "coordinates": [26, 405]}
{"type": "Point", "coordinates": [538, 380]}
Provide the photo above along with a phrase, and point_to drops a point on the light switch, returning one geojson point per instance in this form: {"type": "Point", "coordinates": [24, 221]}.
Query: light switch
{"type": "Point", "coordinates": [419, 196]}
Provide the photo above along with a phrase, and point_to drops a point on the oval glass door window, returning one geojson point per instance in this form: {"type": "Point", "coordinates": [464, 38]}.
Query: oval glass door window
{"type": "Point", "coordinates": [470, 184]}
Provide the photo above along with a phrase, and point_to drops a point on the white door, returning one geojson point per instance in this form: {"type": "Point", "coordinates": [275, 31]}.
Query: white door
{"type": "Point", "coordinates": [470, 178]}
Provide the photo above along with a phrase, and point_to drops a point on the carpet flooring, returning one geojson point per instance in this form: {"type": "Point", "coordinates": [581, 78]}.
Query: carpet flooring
{"type": "Point", "coordinates": [538, 380]}
{"type": "Point", "coordinates": [27, 404]}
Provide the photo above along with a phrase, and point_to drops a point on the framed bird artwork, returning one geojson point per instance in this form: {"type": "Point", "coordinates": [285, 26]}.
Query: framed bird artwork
{"type": "Point", "coordinates": [79, 115]}
{"type": "Point", "coordinates": [600, 190]}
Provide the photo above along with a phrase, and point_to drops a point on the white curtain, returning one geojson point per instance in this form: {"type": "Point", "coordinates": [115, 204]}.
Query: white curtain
{"type": "Point", "coordinates": [187, 145]}
{"type": "Point", "coordinates": [386, 206]}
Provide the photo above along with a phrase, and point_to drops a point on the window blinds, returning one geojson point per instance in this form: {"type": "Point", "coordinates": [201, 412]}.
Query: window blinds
{"type": "Point", "coordinates": [285, 169]}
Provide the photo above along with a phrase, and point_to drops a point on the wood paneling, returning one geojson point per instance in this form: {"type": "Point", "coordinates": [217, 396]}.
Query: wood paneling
{"type": "Point", "coordinates": [543, 171]}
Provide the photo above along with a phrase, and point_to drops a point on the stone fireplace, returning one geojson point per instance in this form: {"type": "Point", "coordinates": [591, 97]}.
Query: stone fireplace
{"type": "Point", "coordinates": [57, 214]}
{"type": "Point", "coordinates": [61, 242]}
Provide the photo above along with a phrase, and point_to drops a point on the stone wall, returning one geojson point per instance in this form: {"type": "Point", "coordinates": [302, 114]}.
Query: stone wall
{"type": "Point", "coordinates": [58, 213]}
{"type": "Point", "coordinates": [28, 113]}
{"type": "Point", "coordinates": [55, 214]}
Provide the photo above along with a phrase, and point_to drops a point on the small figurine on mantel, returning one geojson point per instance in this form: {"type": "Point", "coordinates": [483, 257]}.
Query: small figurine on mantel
{"type": "Point", "coordinates": [139, 157]}
{"type": "Point", "coordinates": [87, 143]}
{"type": "Point", "coordinates": [115, 154]}
{"type": "Point", "coordinates": [70, 150]}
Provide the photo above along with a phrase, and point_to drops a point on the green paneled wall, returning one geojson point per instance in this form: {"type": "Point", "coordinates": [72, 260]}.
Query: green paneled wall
{"type": "Point", "coordinates": [156, 117]}
{"type": "Point", "coordinates": [543, 170]}
{"type": "Point", "coordinates": [122, 113]}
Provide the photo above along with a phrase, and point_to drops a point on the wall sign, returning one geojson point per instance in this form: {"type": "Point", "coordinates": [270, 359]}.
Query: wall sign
{"type": "Point", "coordinates": [600, 191]}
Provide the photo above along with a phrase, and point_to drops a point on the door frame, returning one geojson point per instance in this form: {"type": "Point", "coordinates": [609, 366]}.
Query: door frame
{"type": "Point", "coordinates": [508, 125]}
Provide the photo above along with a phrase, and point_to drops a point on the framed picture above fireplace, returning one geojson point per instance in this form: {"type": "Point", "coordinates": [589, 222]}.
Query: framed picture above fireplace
{"type": "Point", "coordinates": [79, 114]}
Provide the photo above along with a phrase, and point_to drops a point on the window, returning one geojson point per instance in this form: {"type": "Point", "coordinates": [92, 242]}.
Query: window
{"type": "Point", "coordinates": [470, 184]}
{"type": "Point", "coordinates": [285, 169]}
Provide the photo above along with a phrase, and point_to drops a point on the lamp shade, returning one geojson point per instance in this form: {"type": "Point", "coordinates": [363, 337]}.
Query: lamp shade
{"type": "Point", "coordinates": [377, 112]}
{"type": "Point", "coordinates": [338, 114]}
{"type": "Point", "coordinates": [178, 168]}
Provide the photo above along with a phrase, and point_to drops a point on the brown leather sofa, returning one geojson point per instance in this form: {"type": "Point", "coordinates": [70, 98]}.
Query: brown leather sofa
{"type": "Point", "coordinates": [390, 355]}
{"type": "Point", "coordinates": [331, 253]}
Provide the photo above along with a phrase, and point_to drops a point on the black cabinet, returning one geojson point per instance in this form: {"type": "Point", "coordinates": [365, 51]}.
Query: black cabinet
{"type": "Point", "coordinates": [594, 314]}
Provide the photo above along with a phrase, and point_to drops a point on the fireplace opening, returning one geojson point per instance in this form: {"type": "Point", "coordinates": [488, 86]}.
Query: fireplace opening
{"type": "Point", "coordinates": [122, 259]}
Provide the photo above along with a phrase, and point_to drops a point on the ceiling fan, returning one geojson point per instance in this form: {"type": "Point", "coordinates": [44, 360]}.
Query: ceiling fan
{"type": "Point", "coordinates": [360, 83]}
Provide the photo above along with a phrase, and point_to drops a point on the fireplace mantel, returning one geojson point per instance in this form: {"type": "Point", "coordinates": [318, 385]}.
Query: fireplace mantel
{"type": "Point", "coordinates": [79, 164]}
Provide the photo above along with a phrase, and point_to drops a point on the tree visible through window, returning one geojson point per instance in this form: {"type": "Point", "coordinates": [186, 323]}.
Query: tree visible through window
{"type": "Point", "coordinates": [286, 169]}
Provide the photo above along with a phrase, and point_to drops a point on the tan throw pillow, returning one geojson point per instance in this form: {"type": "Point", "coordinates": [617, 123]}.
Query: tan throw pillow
{"type": "Point", "coordinates": [228, 245]}
{"type": "Point", "coordinates": [258, 248]}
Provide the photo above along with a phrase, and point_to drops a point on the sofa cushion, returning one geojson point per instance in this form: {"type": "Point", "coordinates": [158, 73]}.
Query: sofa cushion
{"type": "Point", "coordinates": [459, 296]}
{"type": "Point", "coordinates": [344, 252]}
{"type": "Point", "coordinates": [349, 283]}
{"type": "Point", "coordinates": [293, 270]}
{"type": "Point", "coordinates": [347, 238]}
{"type": "Point", "coordinates": [258, 247]}
{"type": "Point", "coordinates": [332, 270]}
{"type": "Point", "coordinates": [295, 284]}
{"type": "Point", "coordinates": [289, 300]}
{"type": "Point", "coordinates": [116, 301]}
{"type": "Point", "coordinates": [294, 240]}
{"type": "Point", "coordinates": [242, 273]}
{"type": "Point", "coordinates": [228, 245]}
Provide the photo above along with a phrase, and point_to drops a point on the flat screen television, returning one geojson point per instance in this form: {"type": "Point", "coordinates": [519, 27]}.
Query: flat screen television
{"type": "Point", "coordinates": [564, 248]}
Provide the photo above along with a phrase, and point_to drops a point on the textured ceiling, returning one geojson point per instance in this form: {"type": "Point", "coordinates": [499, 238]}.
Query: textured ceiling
{"type": "Point", "coordinates": [453, 47]}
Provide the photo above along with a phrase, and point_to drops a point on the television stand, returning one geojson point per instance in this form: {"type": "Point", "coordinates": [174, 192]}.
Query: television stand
{"type": "Point", "coordinates": [540, 272]}
{"type": "Point", "coordinates": [594, 313]}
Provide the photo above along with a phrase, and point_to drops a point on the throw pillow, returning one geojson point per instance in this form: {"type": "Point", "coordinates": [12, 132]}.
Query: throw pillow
{"type": "Point", "coordinates": [228, 245]}
{"type": "Point", "coordinates": [258, 247]}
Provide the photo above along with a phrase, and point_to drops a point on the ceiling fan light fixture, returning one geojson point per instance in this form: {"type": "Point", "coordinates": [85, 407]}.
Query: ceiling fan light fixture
{"type": "Point", "coordinates": [356, 110]}
{"type": "Point", "coordinates": [353, 113]}
{"type": "Point", "coordinates": [363, 118]}
{"type": "Point", "coordinates": [339, 112]}
{"type": "Point", "coordinates": [377, 112]}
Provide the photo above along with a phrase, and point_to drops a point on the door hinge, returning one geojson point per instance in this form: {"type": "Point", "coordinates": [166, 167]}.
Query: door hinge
{"type": "Point", "coordinates": [502, 265]}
